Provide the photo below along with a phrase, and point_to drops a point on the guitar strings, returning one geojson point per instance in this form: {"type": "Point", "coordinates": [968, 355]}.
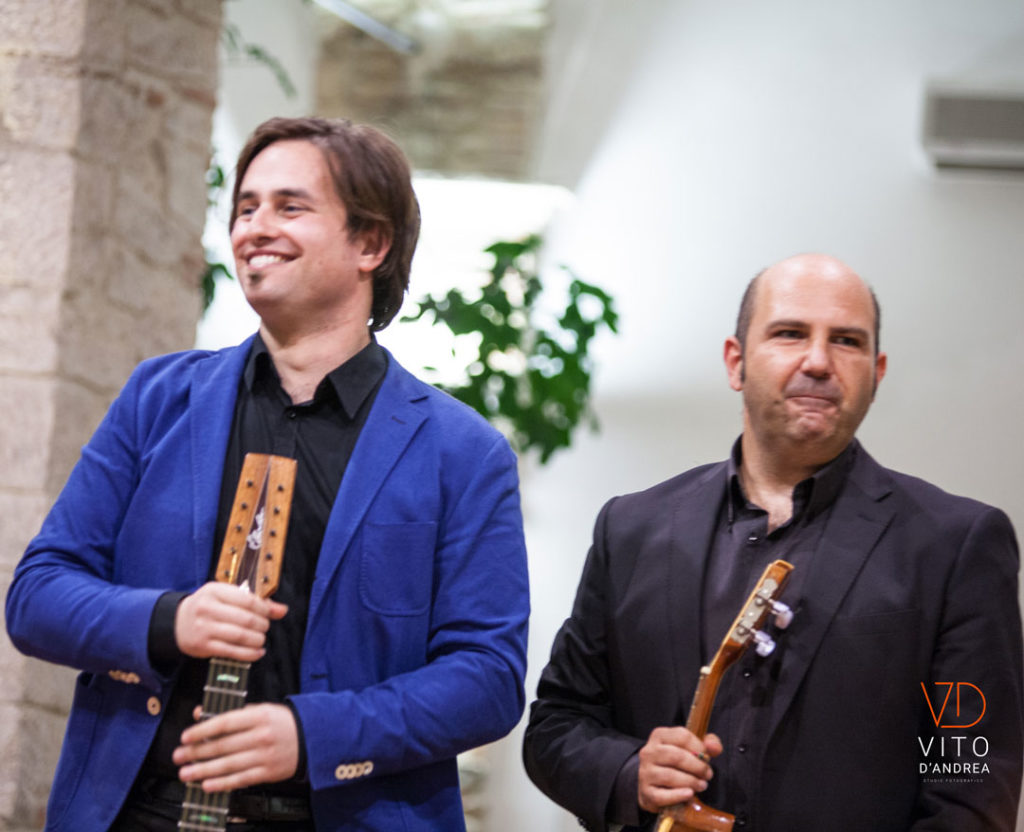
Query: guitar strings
{"type": "Point", "coordinates": [225, 690]}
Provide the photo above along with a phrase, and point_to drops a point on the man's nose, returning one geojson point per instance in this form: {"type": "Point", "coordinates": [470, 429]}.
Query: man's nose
{"type": "Point", "coordinates": [259, 225]}
{"type": "Point", "coordinates": [818, 358]}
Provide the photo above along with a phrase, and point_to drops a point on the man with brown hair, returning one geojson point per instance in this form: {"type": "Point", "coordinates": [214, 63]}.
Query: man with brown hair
{"type": "Point", "coordinates": [901, 592]}
{"type": "Point", "coordinates": [397, 636]}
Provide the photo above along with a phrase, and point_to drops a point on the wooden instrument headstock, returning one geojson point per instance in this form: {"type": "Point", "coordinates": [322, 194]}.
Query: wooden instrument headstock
{"type": "Point", "coordinates": [751, 617]}
{"type": "Point", "coordinates": [254, 542]}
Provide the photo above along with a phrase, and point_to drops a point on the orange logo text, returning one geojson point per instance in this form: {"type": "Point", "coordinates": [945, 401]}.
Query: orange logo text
{"type": "Point", "coordinates": [949, 690]}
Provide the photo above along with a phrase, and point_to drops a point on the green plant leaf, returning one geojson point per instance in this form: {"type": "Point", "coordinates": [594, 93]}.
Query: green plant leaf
{"type": "Point", "coordinates": [208, 280]}
{"type": "Point", "coordinates": [540, 407]}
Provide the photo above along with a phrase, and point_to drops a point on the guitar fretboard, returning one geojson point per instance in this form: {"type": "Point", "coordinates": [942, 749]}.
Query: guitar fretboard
{"type": "Point", "coordinates": [225, 690]}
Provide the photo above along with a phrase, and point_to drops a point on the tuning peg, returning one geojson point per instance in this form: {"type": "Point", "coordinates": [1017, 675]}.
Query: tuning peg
{"type": "Point", "coordinates": [783, 615]}
{"type": "Point", "coordinates": [764, 644]}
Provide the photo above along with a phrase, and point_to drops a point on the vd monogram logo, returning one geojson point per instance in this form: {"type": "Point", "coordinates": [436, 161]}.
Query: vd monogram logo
{"type": "Point", "coordinates": [957, 754]}
{"type": "Point", "coordinates": [974, 697]}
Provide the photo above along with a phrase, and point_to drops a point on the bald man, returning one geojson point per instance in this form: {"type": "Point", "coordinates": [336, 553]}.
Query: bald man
{"type": "Point", "coordinates": [894, 699]}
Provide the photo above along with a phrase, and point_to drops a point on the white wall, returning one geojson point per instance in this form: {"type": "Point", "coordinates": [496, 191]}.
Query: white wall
{"type": "Point", "coordinates": [754, 130]}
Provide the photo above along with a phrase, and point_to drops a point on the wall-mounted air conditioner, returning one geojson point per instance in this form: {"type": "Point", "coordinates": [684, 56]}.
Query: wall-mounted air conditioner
{"type": "Point", "coordinates": [975, 127]}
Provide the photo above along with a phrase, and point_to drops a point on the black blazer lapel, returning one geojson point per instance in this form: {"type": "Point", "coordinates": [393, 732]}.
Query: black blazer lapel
{"type": "Point", "coordinates": [693, 524]}
{"type": "Point", "coordinates": [859, 518]}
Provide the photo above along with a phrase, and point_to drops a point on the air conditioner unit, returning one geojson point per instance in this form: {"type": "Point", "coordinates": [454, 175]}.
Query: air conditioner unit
{"type": "Point", "coordinates": [974, 126]}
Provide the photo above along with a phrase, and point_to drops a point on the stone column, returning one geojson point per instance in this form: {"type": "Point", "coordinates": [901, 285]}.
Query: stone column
{"type": "Point", "coordinates": [105, 117]}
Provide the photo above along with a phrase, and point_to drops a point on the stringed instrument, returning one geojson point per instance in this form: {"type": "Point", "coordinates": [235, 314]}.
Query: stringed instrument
{"type": "Point", "coordinates": [694, 815]}
{"type": "Point", "coordinates": [250, 557]}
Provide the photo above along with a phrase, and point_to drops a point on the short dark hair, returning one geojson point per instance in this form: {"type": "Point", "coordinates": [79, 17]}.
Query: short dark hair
{"type": "Point", "coordinates": [746, 312]}
{"type": "Point", "coordinates": [747, 309]}
{"type": "Point", "coordinates": [371, 176]}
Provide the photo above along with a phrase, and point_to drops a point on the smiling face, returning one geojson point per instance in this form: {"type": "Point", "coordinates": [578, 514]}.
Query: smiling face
{"type": "Point", "coordinates": [296, 261]}
{"type": "Point", "coordinates": [809, 368]}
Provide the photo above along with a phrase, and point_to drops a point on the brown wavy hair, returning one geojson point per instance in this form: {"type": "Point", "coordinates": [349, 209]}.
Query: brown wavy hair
{"type": "Point", "coordinates": [371, 176]}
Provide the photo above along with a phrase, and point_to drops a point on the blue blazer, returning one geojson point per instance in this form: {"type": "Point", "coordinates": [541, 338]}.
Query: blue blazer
{"type": "Point", "coordinates": [415, 648]}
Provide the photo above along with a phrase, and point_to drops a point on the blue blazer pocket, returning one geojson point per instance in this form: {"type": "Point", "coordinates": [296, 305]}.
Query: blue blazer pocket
{"type": "Point", "coordinates": [397, 569]}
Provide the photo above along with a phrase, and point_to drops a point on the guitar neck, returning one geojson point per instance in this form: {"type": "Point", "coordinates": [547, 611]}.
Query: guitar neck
{"type": "Point", "coordinates": [694, 815]}
{"type": "Point", "coordinates": [250, 557]}
{"type": "Point", "coordinates": [703, 700]}
{"type": "Point", "coordinates": [227, 684]}
{"type": "Point", "coordinates": [225, 690]}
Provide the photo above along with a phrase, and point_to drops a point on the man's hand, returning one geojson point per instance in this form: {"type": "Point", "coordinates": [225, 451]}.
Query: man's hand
{"type": "Point", "coordinates": [225, 621]}
{"type": "Point", "coordinates": [254, 744]}
{"type": "Point", "coordinates": [674, 767]}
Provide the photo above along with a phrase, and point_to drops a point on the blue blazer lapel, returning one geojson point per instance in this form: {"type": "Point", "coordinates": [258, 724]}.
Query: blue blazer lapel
{"type": "Point", "coordinates": [391, 425]}
{"type": "Point", "coordinates": [213, 393]}
{"type": "Point", "coordinates": [858, 520]}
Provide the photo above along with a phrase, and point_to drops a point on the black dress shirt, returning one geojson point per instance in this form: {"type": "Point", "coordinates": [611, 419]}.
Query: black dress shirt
{"type": "Point", "coordinates": [320, 435]}
{"type": "Point", "coordinates": [741, 548]}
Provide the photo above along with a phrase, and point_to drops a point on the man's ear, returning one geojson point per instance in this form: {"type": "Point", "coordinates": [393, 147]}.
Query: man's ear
{"type": "Point", "coordinates": [881, 364]}
{"type": "Point", "coordinates": [733, 355]}
{"type": "Point", "coordinates": [374, 247]}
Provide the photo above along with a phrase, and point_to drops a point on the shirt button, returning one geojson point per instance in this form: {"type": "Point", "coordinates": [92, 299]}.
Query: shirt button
{"type": "Point", "coordinates": [291, 413]}
{"type": "Point", "coordinates": [153, 705]}
{"type": "Point", "coordinates": [741, 820]}
{"type": "Point", "coordinates": [742, 748]}
{"type": "Point", "coordinates": [753, 538]}
{"type": "Point", "coordinates": [747, 673]}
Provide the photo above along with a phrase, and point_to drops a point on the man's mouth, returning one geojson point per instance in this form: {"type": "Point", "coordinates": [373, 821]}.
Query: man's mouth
{"type": "Point", "coordinates": [261, 261]}
{"type": "Point", "coordinates": [813, 400]}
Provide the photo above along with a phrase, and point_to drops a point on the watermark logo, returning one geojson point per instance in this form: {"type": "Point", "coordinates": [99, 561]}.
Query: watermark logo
{"type": "Point", "coordinates": [957, 758]}
{"type": "Point", "coordinates": [976, 696]}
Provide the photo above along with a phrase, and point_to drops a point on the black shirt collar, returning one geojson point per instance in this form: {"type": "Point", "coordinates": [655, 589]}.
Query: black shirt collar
{"type": "Point", "coordinates": [811, 496]}
{"type": "Point", "coordinates": [351, 382]}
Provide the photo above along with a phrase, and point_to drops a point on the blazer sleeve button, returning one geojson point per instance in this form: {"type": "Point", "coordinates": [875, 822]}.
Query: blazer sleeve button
{"type": "Point", "coordinates": [153, 705]}
{"type": "Point", "coordinates": [124, 676]}
{"type": "Point", "coordinates": [349, 771]}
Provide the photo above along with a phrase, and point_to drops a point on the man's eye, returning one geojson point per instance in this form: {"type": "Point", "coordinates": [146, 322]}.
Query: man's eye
{"type": "Point", "coordinates": [245, 210]}
{"type": "Point", "coordinates": [847, 340]}
{"type": "Point", "coordinates": [292, 208]}
{"type": "Point", "coordinates": [788, 333]}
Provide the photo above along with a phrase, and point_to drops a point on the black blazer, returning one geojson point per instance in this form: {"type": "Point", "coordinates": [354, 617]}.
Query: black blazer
{"type": "Point", "coordinates": [908, 585]}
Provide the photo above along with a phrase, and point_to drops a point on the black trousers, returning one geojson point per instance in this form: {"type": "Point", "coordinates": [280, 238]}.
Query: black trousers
{"type": "Point", "coordinates": [141, 818]}
{"type": "Point", "coordinates": [150, 808]}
